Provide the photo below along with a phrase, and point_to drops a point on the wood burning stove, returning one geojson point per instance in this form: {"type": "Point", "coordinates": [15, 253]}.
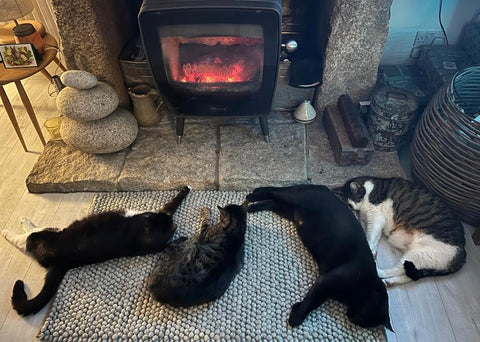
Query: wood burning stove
{"type": "Point", "coordinates": [213, 58]}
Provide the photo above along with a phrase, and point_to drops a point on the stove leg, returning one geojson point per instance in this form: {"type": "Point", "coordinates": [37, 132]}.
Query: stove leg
{"type": "Point", "coordinates": [179, 128]}
{"type": "Point", "coordinates": [264, 125]}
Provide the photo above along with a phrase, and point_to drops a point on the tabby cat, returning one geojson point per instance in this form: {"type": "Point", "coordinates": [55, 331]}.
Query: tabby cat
{"type": "Point", "coordinates": [335, 239]}
{"type": "Point", "coordinates": [93, 239]}
{"type": "Point", "coordinates": [414, 221]}
{"type": "Point", "coordinates": [199, 269]}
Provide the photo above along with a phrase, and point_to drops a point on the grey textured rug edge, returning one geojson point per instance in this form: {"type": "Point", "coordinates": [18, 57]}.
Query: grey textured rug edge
{"type": "Point", "coordinates": [110, 301]}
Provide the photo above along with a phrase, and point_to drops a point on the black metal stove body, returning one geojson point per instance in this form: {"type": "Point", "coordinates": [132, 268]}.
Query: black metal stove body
{"type": "Point", "coordinates": [213, 58]}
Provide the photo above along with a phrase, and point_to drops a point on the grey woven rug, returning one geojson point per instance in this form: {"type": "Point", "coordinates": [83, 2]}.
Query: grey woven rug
{"type": "Point", "coordinates": [110, 301]}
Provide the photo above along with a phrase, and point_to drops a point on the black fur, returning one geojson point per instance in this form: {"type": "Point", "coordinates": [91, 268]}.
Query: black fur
{"type": "Point", "coordinates": [96, 238]}
{"type": "Point", "coordinates": [199, 269]}
{"type": "Point", "coordinates": [337, 242]}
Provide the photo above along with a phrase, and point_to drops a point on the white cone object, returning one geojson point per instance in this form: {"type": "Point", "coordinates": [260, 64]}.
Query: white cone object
{"type": "Point", "coordinates": [305, 113]}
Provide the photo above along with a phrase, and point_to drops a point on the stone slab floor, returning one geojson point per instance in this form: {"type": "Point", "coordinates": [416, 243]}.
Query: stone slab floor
{"type": "Point", "coordinates": [215, 154]}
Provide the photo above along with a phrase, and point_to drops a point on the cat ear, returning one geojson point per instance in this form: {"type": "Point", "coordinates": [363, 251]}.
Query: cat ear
{"type": "Point", "coordinates": [224, 215]}
{"type": "Point", "coordinates": [223, 212]}
{"type": "Point", "coordinates": [355, 187]}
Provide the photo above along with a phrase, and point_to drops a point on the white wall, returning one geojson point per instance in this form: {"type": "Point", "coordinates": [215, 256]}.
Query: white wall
{"type": "Point", "coordinates": [410, 16]}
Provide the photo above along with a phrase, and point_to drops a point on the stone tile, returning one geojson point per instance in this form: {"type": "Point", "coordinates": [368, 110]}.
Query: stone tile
{"type": "Point", "coordinates": [288, 98]}
{"type": "Point", "coordinates": [247, 161]}
{"type": "Point", "coordinates": [63, 169]}
{"type": "Point", "coordinates": [322, 168]}
{"type": "Point", "coordinates": [157, 162]}
{"type": "Point", "coordinates": [281, 117]}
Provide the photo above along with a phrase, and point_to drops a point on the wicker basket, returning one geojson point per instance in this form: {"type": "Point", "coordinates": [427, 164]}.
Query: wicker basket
{"type": "Point", "coordinates": [445, 150]}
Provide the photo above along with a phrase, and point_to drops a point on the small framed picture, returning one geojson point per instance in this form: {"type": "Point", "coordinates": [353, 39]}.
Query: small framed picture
{"type": "Point", "coordinates": [18, 56]}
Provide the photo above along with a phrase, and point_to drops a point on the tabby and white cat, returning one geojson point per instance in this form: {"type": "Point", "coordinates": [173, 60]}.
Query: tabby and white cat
{"type": "Point", "coordinates": [415, 221]}
{"type": "Point", "coordinates": [199, 269]}
{"type": "Point", "coordinates": [96, 238]}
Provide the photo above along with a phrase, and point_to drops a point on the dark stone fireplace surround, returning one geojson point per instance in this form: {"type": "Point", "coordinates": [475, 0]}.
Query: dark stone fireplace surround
{"type": "Point", "coordinates": [93, 33]}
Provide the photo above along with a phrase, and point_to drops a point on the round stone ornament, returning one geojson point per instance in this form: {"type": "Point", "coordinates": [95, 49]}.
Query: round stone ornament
{"type": "Point", "coordinates": [78, 79]}
{"type": "Point", "coordinates": [87, 104]}
{"type": "Point", "coordinates": [110, 134]}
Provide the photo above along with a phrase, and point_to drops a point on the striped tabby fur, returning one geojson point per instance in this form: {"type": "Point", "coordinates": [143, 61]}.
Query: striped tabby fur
{"type": "Point", "coordinates": [413, 220]}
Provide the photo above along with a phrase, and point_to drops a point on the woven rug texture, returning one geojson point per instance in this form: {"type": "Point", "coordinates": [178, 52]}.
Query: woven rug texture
{"type": "Point", "coordinates": [110, 301]}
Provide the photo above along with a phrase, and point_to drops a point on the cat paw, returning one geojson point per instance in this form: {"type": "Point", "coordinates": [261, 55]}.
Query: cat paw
{"type": "Point", "coordinates": [297, 315]}
{"type": "Point", "coordinates": [8, 234]}
{"type": "Point", "coordinates": [131, 212]}
{"type": "Point", "coordinates": [381, 274]}
{"type": "Point", "coordinates": [17, 240]}
{"type": "Point", "coordinates": [186, 189]}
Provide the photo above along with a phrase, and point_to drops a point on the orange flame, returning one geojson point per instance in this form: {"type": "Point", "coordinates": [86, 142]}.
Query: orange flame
{"type": "Point", "coordinates": [215, 72]}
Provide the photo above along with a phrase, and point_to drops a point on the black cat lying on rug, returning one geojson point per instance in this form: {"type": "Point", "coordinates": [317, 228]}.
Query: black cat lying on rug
{"type": "Point", "coordinates": [338, 244]}
{"type": "Point", "coordinates": [96, 238]}
{"type": "Point", "coordinates": [199, 269]}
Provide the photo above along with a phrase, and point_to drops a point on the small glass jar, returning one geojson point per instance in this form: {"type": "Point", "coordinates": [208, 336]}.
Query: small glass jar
{"type": "Point", "coordinates": [26, 33]}
{"type": "Point", "coordinates": [53, 127]}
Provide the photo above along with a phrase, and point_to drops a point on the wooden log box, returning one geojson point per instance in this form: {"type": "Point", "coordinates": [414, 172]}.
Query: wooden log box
{"type": "Point", "coordinates": [356, 130]}
{"type": "Point", "coordinates": [345, 154]}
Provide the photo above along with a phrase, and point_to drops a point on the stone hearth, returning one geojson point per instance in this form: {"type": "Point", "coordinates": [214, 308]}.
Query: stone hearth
{"type": "Point", "coordinates": [224, 154]}
{"type": "Point", "coordinates": [214, 154]}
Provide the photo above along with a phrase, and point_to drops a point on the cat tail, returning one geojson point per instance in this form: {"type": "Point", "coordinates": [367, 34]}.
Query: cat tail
{"type": "Point", "coordinates": [25, 306]}
{"type": "Point", "coordinates": [172, 205]}
{"type": "Point", "coordinates": [414, 273]}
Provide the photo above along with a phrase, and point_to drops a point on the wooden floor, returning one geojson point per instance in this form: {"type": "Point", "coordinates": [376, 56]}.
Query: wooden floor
{"type": "Point", "coordinates": [441, 309]}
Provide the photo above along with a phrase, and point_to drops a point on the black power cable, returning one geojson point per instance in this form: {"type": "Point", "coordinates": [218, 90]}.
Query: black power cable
{"type": "Point", "coordinates": [440, 21]}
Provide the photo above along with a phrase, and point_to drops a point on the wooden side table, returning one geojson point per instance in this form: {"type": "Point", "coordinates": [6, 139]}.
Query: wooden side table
{"type": "Point", "coordinates": [17, 74]}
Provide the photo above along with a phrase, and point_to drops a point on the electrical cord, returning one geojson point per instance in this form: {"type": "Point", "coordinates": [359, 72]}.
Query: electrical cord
{"type": "Point", "coordinates": [440, 21]}
{"type": "Point", "coordinates": [54, 93]}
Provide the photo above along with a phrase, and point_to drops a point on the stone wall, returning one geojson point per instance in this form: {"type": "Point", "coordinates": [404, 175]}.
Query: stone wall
{"type": "Point", "coordinates": [93, 33]}
{"type": "Point", "coordinates": [358, 31]}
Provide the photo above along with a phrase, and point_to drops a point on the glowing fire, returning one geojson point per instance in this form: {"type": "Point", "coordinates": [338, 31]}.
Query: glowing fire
{"type": "Point", "coordinates": [217, 59]}
{"type": "Point", "coordinates": [214, 72]}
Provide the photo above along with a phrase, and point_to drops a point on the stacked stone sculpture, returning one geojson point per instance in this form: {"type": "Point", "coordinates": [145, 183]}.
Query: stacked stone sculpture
{"type": "Point", "coordinates": [91, 119]}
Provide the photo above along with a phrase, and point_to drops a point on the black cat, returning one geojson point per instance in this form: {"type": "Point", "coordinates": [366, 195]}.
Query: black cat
{"type": "Point", "coordinates": [337, 242]}
{"type": "Point", "coordinates": [96, 238]}
{"type": "Point", "coordinates": [199, 269]}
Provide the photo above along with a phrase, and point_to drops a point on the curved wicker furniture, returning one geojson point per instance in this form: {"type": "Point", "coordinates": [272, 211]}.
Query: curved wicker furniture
{"type": "Point", "coordinates": [445, 151]}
